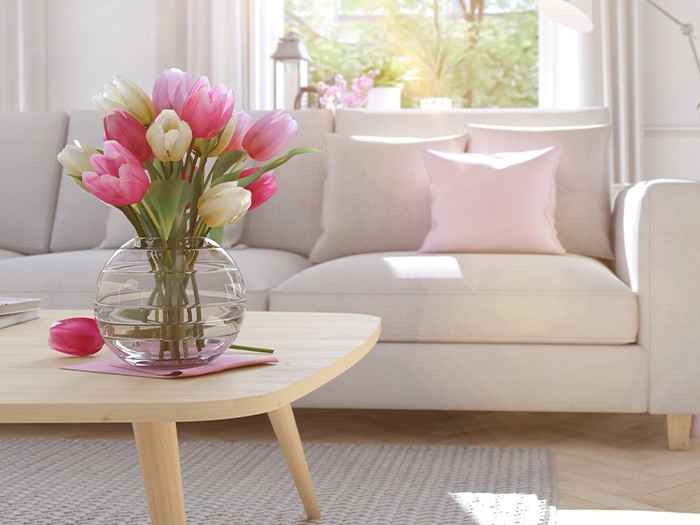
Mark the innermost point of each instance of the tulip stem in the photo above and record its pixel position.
(253, 349)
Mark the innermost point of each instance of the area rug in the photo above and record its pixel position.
(44, 481)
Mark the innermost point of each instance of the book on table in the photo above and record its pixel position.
(15, 310)
(13, 305)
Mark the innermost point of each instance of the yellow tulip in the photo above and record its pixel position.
(121, 93)
(223, 204)
(168, 136)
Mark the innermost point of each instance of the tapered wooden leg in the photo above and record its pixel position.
(678, 428)
(160, 467)
(285, 428)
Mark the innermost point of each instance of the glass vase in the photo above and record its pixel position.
(172, 305)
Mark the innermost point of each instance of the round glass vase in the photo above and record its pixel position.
(169, 304)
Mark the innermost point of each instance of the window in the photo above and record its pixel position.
(478, 53)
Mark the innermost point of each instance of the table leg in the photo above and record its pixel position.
(285, 428)
(160, 467)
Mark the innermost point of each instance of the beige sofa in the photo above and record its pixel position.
(610, 326)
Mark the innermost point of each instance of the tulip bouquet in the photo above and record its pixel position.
(154, 163)
(175, 165)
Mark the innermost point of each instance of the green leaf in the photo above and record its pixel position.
(168, 199)
(274, 164)
(224, 162)
(216, 235)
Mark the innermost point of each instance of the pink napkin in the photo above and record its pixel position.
(119, 367)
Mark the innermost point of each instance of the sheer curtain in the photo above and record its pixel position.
(600, 68)
(23, 48)
(229, 41)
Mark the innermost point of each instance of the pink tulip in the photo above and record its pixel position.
(170, 91)
(269, 135)
(262, 189)
(78, 336)
(207, 109)
(129, 132)
(243, 124)
(119, 178)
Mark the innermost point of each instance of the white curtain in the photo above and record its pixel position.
(600, 68)
(230, 41)
(23, 51)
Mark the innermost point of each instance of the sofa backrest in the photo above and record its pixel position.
(291, 219)
(29, 144)
(582, 214)
(420, 123)
(81, 219)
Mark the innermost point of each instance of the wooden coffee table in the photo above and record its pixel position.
(312, 349)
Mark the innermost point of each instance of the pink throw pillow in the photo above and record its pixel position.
(495, 203)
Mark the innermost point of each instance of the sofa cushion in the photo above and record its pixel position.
(7, 254)
(29, 144)
(291, 219)
(472, 298)
(68, 279)
(377, 194)
(583, 211)
(500, 203)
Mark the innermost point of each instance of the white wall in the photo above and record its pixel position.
(670, 91)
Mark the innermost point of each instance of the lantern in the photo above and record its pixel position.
(291, 70)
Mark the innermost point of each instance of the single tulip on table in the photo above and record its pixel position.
(76, 336)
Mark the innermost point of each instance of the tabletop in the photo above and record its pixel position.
(312, 348)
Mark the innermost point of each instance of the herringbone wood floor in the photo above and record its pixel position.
(604, 461)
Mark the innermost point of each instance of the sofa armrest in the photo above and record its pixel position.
(657, 253)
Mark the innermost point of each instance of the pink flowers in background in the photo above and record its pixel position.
(337, 94)
(76, 336)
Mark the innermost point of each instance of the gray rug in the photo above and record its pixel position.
(62, 482)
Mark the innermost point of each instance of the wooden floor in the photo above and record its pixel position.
(606, 464)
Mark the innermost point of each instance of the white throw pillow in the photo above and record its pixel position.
(583, 211)
(377, 194)
(119, 230)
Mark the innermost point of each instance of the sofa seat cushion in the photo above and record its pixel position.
(7, 254)
(472, 298)
(68, 279)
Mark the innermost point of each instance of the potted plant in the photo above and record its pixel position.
(389, 79)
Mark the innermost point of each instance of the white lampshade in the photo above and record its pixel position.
(575, 14)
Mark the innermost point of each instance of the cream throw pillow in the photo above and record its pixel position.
(376, 196)
(583, 212)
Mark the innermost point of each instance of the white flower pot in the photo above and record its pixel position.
(384, 98)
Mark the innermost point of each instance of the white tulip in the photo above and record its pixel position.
(121, 93)
(75, 158)
(169, 136)
(223, 204)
